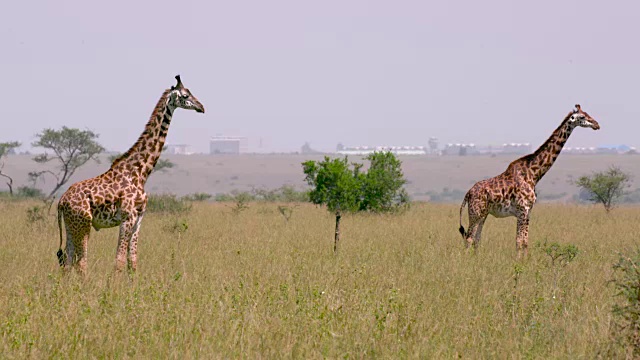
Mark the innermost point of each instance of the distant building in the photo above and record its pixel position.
(516, 148)
(433, 145)
(397, 150)
(579, 150)
(180, 149)
(460, 149)
(615, 149)
(228, 145)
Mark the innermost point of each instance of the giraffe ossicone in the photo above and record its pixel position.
(512, 193)
(117, 197)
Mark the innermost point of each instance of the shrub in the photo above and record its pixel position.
(197, 197)
(29, 192)
(35, 215)
(179, 226)
(626, 313)
(289, 194)
(241, 201)
(559, 256)
(224, 197)
(284, 194)
(167, 203)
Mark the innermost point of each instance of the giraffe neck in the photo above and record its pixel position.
(543, 158)
(142, 157)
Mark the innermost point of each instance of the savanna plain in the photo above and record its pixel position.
(218, 283)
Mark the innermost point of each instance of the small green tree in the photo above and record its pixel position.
(5, 149)
(336, 185)
(605, 187)
(72, 148)
(346, 188)
(383, 186)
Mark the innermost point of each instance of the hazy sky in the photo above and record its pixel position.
(357, 72)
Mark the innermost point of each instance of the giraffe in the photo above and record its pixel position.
(117, 197)
(512, 193)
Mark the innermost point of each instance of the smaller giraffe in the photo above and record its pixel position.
(512, 193)
(117, 197)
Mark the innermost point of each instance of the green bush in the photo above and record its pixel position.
(29, 192)
(167, 203)
(22, 193)
(284, 194)
(197, 197)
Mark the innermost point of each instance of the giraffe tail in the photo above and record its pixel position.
(60, 253)
(464, 202)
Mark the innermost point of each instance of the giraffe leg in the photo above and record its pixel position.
(69, 259)
(123, 244)
(127, 228)
(81, 251)
(477, 215)
(477, 232)
(77, 243)
(78, 228)
(132, 262)
(522, 237)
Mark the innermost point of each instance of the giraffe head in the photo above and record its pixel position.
(181, 97)
(580, 118)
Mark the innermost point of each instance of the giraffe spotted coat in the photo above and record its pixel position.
(117, 197)
(512, 193)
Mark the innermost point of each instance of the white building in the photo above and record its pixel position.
(228, 145)
(397, 150)
(179, 149)
(460, 149)
(516, 148)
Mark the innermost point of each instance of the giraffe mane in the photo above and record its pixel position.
(528, 157)
(157, 110)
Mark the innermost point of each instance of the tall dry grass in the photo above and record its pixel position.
(253, 285)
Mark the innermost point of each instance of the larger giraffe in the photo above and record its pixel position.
(512, 193)
(117, 197)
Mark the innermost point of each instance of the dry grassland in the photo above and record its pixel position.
(255, 286)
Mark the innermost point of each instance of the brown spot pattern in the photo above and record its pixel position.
(512, 193)
(117, 197)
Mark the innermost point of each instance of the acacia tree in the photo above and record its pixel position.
(336, 185)
(71, 148)
(348, 189)
(5, 149)
(605, 187)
